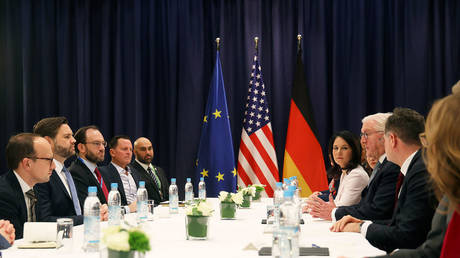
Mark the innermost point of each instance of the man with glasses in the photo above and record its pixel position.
(30, 160)
(85, 172)
(58, 198)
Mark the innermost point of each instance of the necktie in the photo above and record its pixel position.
(156, 180)
(73, 191)
(398, 186)
(32, 201)
(101, 183)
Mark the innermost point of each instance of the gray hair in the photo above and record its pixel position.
(379, 118)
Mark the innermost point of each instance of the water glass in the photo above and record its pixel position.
(150, 209)
(65, 233)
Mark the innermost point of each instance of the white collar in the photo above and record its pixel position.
(405, 165)
(382, 158)
(120, 169)
(91, 166)
(145, 166)
(24, 186)
(59, 166)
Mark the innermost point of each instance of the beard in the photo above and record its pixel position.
(145, 160)
(93, 158)
(63, 152)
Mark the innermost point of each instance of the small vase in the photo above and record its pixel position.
(246, 202)
(196, 227)
(119, 254)
(257, 196)
(227, 210)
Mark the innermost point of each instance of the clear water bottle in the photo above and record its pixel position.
(173, 197)
(188, 191)
(91, 222)
(286, 183)
(278, 196)
(296, 199)
(289, 224)
(114, 202)
(142, 197)
(202, 189)
(294, 181)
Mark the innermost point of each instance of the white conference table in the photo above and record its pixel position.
(227, 238)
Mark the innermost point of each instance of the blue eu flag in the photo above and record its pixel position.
(215, 155)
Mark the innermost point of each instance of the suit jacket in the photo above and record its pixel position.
(411, 219)
(110, 173)
(152, 189)
(4, 244)
(431, 248)
(84, 178)
(12, 202)
(55, 202)
(378, 198)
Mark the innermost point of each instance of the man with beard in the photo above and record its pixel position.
(90, 149)
(155, 179)
(58, 198)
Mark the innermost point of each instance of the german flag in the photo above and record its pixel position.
(303, 156)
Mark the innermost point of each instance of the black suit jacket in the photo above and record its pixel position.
(110, 173)
(150, 185)
(378, 198)
(84, 178)
(411, 219)
(55, 202)
(12, 202)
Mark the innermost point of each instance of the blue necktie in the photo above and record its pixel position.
(73, 191)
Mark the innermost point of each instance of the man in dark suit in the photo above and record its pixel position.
(91, 150)
(119, 171)
(58, 198)
(415, 206)
(30, 160)
(378, 198)
(156, 183)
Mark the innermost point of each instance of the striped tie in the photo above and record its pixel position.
(32, 201)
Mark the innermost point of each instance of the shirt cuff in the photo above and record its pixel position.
(364, 227)
(333, 215)
(127, 209)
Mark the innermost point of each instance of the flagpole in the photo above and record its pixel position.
(218, 43)
(299, 40)
(256, 40)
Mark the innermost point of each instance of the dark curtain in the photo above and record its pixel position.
(143, 68)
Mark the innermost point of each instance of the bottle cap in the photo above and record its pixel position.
(141, 183)
(173, 180)
(114, 185)
(279, 184)
(201, 179)
(189, 180)
(92, 189)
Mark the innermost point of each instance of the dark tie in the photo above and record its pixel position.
(32, 201)
(101, 183)
(398, 186)
(155, 179)
(73, 191)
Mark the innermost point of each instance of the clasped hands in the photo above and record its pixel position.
(318, 208)
(7, 231)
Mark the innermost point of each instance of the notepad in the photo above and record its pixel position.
(39, 245)
(303, 251)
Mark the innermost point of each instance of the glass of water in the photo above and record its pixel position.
(65, 233)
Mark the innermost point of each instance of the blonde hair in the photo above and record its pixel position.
(443, 151)
(456, 88)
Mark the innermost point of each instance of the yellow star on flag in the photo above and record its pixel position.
(204, 173)
(205, 119)
(220, 177)
(217, 113)
(234, 171)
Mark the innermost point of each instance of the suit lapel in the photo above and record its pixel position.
(57, 180)
(11, 177)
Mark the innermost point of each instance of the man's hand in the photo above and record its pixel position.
(7, 231)
(341, 225)
(104, 212)
(133, 206)
(320, 208)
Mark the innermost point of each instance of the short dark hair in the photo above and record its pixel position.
(49, 126)
(80, 135)
(355, 146)
(114, 141)
(19, 146)
(407, 124)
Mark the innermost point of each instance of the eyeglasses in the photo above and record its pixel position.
(366, 134)
(104, 143)
(423, 139)
(49, 159)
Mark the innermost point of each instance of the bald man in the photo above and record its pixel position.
(156, 182)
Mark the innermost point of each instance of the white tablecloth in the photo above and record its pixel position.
(227, 238)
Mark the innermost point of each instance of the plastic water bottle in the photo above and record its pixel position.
(289, 224)
(278, 196)
(296, 199)
(188, 191)
(91, 222)
(114, 202)
(202, 189)
(173, 197)
(286, 183)
(294, 181)
(142, 197)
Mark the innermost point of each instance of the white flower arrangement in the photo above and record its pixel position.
(199, 208)
(122, 239)
(231, 197)
(248, 191)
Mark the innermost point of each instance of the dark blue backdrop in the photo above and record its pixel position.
(144, 67)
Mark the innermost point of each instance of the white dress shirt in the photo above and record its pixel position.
(25, 188)
(351, 186)
(61, 174)
(129, 185)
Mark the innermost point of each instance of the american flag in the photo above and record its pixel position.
(257, 162)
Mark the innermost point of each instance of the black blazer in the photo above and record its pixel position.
(55, 202)
(84, 178)
(12, 202)
(411, 219)
(110, 173)
(150, 185)
(378, 198)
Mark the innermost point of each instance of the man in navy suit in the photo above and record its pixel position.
(378, 197)
(119, 171)
(415, 203)
(30, 160)
(58, 198)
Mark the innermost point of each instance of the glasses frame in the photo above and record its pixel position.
(366, 135)
(97, 144)
(49, 159)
